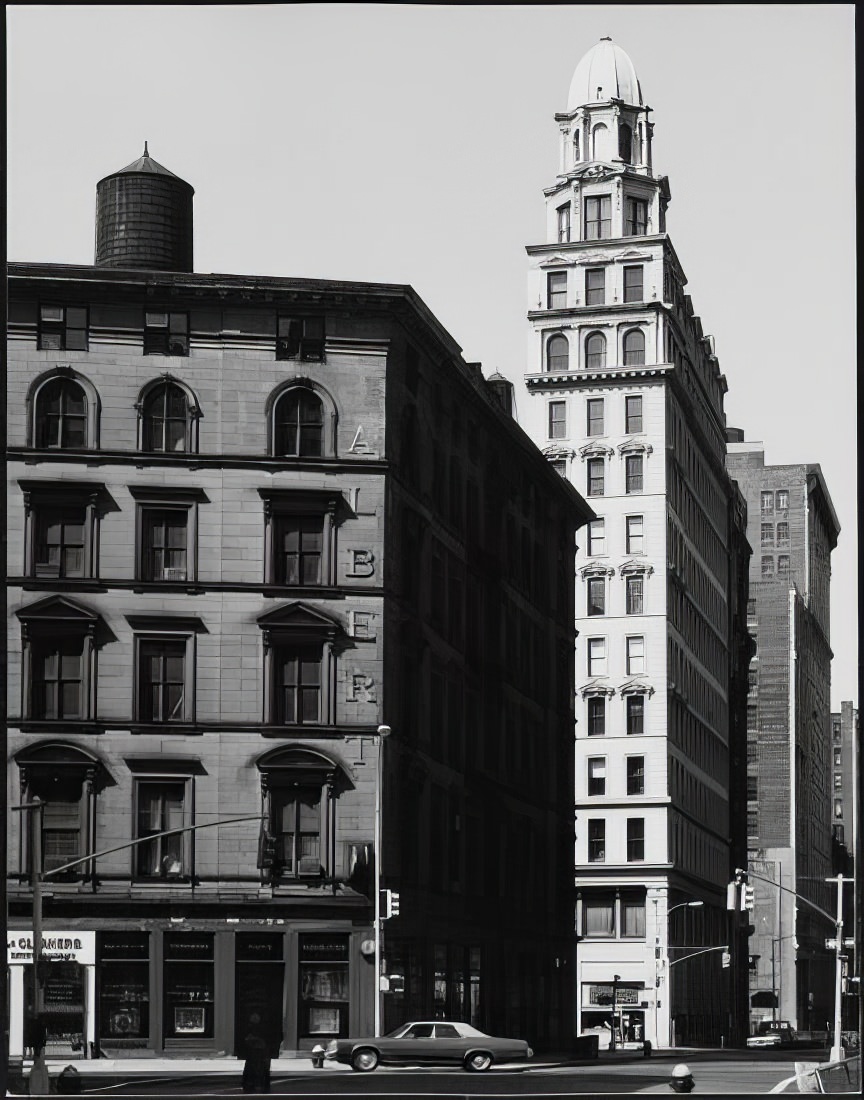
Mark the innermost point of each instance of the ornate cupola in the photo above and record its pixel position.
(606, 119)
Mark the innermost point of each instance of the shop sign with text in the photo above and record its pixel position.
(79, 947)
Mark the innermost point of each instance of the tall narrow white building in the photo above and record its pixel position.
(625, 397)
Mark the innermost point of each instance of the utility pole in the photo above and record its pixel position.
(38, 1080)
(838, 944)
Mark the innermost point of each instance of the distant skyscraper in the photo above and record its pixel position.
(626, 399)
(793, 528)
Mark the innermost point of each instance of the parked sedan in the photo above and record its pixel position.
(438, 1042)
(772, 1034)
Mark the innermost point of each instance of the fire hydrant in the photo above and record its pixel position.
(317, 1056)
(682, 1079)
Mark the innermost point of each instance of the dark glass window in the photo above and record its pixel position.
(61, 415)
(596, 840)
(63, 328)
(296, 823)
(299, 424)
(595, 286)
(298, 694)
(165, 549)
(635, 839)
(299, 546)
(162, 681)
(597, 775)
(634, 348)
(596, 596)
(633, 284)
(634, 534)
(597, 537)
(166, 419)
(635, 714)
(598, 218)
(636, 775)
(556, 290)
(596, 716)
(300, 338)
(625, 142)
(57, 678)
(636, 218)
(166, 333)
(59, 542)
(161, 807)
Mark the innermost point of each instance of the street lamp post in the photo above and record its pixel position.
(383, 731)
(669, 912)
(616, 978)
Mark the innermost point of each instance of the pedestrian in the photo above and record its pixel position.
(256, 1069)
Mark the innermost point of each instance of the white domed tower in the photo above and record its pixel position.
(625, 398)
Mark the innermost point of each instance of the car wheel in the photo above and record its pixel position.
(477, 1061)
(364, 1060)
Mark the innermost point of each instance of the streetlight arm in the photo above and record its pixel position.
(146, 839)
(704, 951)
(789, 890)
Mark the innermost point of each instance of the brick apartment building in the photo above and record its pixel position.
(250, 520)
(793, 528)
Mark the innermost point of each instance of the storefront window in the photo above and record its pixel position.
(188, 986)
(124, 989)
(440, 990)
(64, 1008)
(323, 986)
(474, 1017)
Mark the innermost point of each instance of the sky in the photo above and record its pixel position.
(411, 144)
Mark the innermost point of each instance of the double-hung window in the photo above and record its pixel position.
(167, 543)
(635, 839)
(596, 477)
(165, 668)
(166, 333)
(634, 538)
(596, 715)
(162, 804)
(633, 283)
(635, 775)
(597, 537)
(598, 217)
(557, 353)
(59, 541)
(596, 596)
(596, 840)
(632, 415)
(595, 351)
(57, 671)
(63, 418)
(563, 213)
(596, 775)
(634, 349)
(635, 655)
(63, 328)
(556, 290)
(634, 594)
(557, 420)
(636, 218)
(58, 648)
(299, 666)
(598, 915)
(595, 415)
(635, 722)
(767, 504)
(597, 657)
(595, 286)
(633, 473)
(299, 536)
(767, 534)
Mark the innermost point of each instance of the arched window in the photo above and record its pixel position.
(557, 353)
(598, 142)
(61, 415)
(595, 351)
(298, 424)
(634, 348)
(167, 419)
(625, 142)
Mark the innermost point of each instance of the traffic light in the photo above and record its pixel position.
(748, 899)
(389, 904)
(266, 849)
(732, 895)
(752, 960)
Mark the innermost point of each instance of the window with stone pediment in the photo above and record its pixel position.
(596, 595)
(635, 714)
(596, 468)
(299, 673)
(61, 527)
(634, 594)
(59, 638)
(596, 715)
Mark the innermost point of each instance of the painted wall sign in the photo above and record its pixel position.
(79, 947)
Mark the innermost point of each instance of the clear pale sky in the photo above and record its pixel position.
(411, 144)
